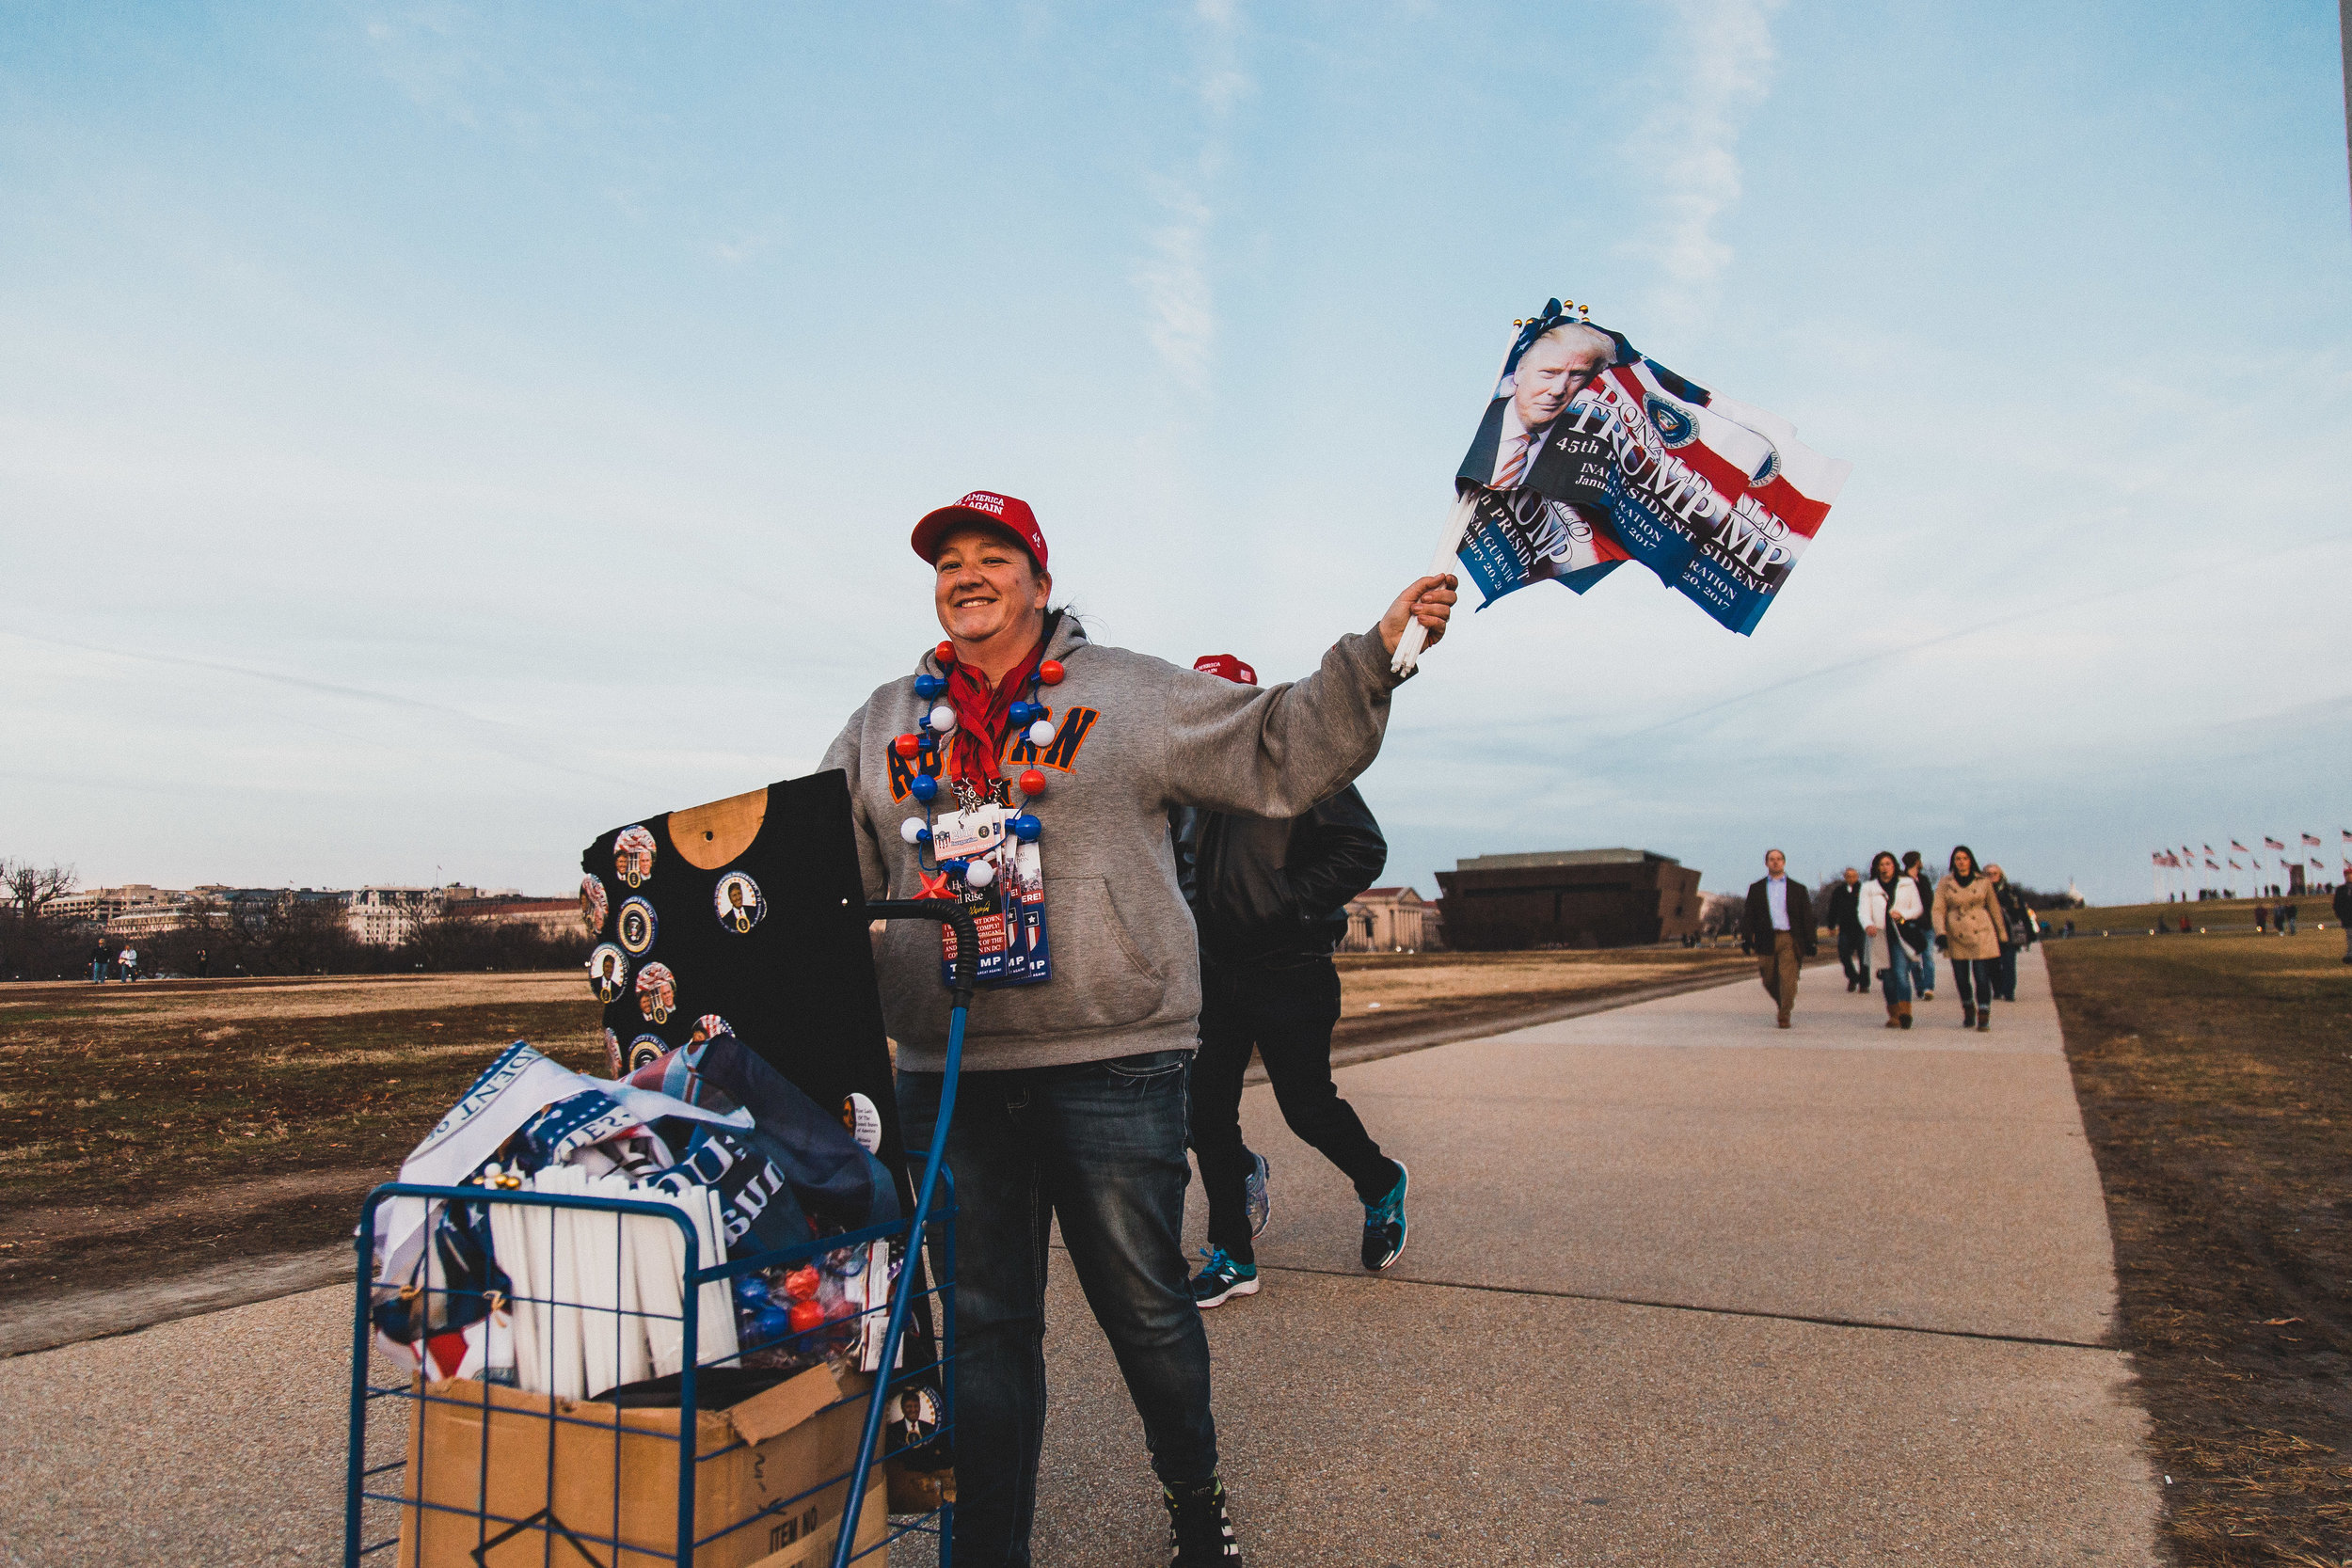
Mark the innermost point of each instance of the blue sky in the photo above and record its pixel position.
(430, 435)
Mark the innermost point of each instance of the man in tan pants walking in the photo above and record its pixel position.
(1779, 930)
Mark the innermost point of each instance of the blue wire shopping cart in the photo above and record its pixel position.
(493, 1499)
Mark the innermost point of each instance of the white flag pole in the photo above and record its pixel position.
(1457, 523)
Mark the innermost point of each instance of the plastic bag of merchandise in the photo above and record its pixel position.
(834, 1181)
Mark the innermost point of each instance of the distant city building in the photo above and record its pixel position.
(384, 916)
(554, 918)
(1568, 899)
(1389, 919)
(99, 905)
(387, 917)
(381, 916)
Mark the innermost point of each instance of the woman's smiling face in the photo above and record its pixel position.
(986, 585)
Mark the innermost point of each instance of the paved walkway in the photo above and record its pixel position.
(1682, 1289)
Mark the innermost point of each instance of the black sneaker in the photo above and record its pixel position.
(1384, 1224)
(1199, 1535)
(1222, 1278)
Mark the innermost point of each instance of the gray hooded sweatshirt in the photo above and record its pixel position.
(1137, 736)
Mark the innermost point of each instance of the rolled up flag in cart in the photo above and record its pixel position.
(1590, 453)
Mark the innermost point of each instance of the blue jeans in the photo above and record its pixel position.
(1927, 966)
(1101, 1146)
(1899, 977)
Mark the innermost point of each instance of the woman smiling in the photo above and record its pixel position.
(1071, 1105)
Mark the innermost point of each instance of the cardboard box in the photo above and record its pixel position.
(508, 1479)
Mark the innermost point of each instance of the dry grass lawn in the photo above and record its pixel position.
(2216, 1080)
(1384, 988)
(161, 1123)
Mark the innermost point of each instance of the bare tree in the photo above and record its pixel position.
(287, 933)
(32, 886)
(1720, 913)
(448, 936)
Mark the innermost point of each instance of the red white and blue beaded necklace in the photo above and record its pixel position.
(934, 736)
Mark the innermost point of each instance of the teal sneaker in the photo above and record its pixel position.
(1384, 1224)
(1222, 1277)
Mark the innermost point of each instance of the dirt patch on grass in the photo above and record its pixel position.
(2216, 1080)
(153, 1135)
(1390, 993)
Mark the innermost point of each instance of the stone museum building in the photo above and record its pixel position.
(1568, 899)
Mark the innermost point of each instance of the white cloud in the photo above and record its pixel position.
(1721, 58)
(1179, 311)
(1180, 306)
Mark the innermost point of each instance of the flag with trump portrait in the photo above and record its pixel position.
(1591, 454)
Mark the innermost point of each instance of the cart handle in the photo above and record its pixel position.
(952, 914)
(948, 913)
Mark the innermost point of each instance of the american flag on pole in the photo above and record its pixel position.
(2240, 848)
(2272, 843)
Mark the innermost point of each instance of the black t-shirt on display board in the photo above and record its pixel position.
(767, 934)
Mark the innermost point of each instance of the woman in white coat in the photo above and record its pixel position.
(1890, 905)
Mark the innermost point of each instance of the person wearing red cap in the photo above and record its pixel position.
(1072, 1108)
(1270, 899)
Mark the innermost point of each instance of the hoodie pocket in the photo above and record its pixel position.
(1102, 979)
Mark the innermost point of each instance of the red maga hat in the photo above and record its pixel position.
(1226, 665)
(986, 507)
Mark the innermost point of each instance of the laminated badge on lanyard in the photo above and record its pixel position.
(1006, 901)
(984, 852)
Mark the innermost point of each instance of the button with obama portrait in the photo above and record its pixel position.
(608, 972)
(740, 902)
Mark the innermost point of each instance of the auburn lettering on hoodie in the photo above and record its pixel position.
(1070, 732)
(1061, 754)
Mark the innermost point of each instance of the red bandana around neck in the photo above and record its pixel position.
(982, 716)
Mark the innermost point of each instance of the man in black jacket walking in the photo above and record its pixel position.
(1269, 898)
(1845, 916)
(1779, 922)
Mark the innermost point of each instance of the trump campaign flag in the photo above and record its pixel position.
(1590, 453)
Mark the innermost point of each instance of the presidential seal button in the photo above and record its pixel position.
(646, 1050)
(637, 925)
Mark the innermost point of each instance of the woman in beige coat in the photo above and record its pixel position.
(1969, 917)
